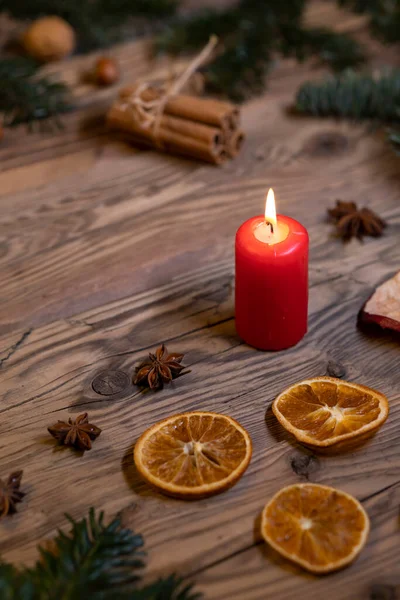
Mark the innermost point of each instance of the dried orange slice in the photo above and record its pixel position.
(193, 455)
(324, 411)
(319, 528)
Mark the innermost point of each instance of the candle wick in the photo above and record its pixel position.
(270, 225)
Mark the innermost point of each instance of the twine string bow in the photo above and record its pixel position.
(149, 113)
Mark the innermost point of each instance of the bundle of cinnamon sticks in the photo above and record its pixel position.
(202, 128)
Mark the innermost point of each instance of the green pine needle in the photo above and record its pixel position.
(250, 33)
(94, 560)
(16, 584)
(352, 95)
(26, 97)
(338, 51)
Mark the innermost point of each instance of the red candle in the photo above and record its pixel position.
(271, 280)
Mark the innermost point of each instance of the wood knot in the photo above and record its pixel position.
(304, 465)
(382, 591)
(108, 383)
(335, 369)
(329, 143)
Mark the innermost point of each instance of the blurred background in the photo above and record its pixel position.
(253, 36)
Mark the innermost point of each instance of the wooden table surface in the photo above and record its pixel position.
(107, 251)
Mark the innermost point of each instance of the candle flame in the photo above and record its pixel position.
(270, 210)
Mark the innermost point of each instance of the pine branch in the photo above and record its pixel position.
(15, 584)
(96, 561)
(338, 51)
(25, 97)
(89, 560)
(251, 32)
(354, 96)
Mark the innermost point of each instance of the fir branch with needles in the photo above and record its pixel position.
(26, 97)
(338, 51)
(251, 32)
(353, 95)
(96, 561)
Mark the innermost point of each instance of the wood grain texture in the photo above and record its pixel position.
(107, 251)
(263, 567)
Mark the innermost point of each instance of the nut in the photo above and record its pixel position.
(106, 71)
(48, 39)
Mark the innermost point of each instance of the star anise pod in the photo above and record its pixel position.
(78, 433)
(353, 222)
(160, 368)
(10, 494)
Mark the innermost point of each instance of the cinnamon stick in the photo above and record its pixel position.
(234, 142)
(175, 144)
(203, 110)
(172, 134)
(167, 119)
